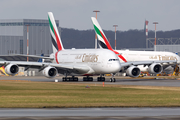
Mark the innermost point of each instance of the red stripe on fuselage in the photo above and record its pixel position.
(58, 41)
(56, 57)
(122, 58)
(110, 48)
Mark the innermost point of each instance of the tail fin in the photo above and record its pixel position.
(56, 40)
(102, 40)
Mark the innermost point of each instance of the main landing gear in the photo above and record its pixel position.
(101, 79)
(87, 78)
(70, 78)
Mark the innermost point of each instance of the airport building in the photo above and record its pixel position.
(164, 44)
(13, 36)
(170, 48)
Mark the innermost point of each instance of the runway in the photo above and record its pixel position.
(119, 80)
(94, 113)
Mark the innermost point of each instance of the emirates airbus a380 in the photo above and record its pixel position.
(69, 62)
(133, 62)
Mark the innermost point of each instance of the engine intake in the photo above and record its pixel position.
(155, 68)
(133, 71)
(11, 69)
(50, 72)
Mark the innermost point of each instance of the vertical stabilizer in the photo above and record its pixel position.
(56, 40)
(103, 42)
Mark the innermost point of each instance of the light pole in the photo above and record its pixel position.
(27, 42)
(115, 34)
(96, 11)
(146, 23)
(155, 36)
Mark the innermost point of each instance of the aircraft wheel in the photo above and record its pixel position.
(91, 79)
(76, 78)
(71, 79)
(84, 78)
(64, 79)
(103, 78)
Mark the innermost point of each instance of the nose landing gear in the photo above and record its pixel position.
(112, 79)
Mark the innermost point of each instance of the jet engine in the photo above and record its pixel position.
(133, 71)
(155, 68)
(50, 72)
(11, 69)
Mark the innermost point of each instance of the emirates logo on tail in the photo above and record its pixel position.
(55, 38)
(102, 40)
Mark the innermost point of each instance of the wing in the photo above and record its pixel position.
(153, 67)
(44, 66)
(23, 55)
(135, 63)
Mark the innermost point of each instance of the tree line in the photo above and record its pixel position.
(73, 38)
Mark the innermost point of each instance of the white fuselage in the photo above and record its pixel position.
(99, 61)
(147, 56)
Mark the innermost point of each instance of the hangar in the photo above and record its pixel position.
(13, 36)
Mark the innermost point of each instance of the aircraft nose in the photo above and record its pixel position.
(116, 67)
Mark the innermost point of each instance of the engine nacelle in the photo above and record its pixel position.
(11, 69)
(155, 68)
(133, 71)
(50, 72)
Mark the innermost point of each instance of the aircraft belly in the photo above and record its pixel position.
(95, 68)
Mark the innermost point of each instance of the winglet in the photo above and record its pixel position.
(55, 37)
(103, 42)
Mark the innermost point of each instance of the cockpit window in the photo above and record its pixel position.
(113, 59)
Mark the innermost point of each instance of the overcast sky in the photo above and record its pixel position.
(127, 14)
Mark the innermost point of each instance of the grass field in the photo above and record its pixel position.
(21, 94)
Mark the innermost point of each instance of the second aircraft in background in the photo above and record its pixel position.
(135, 62)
